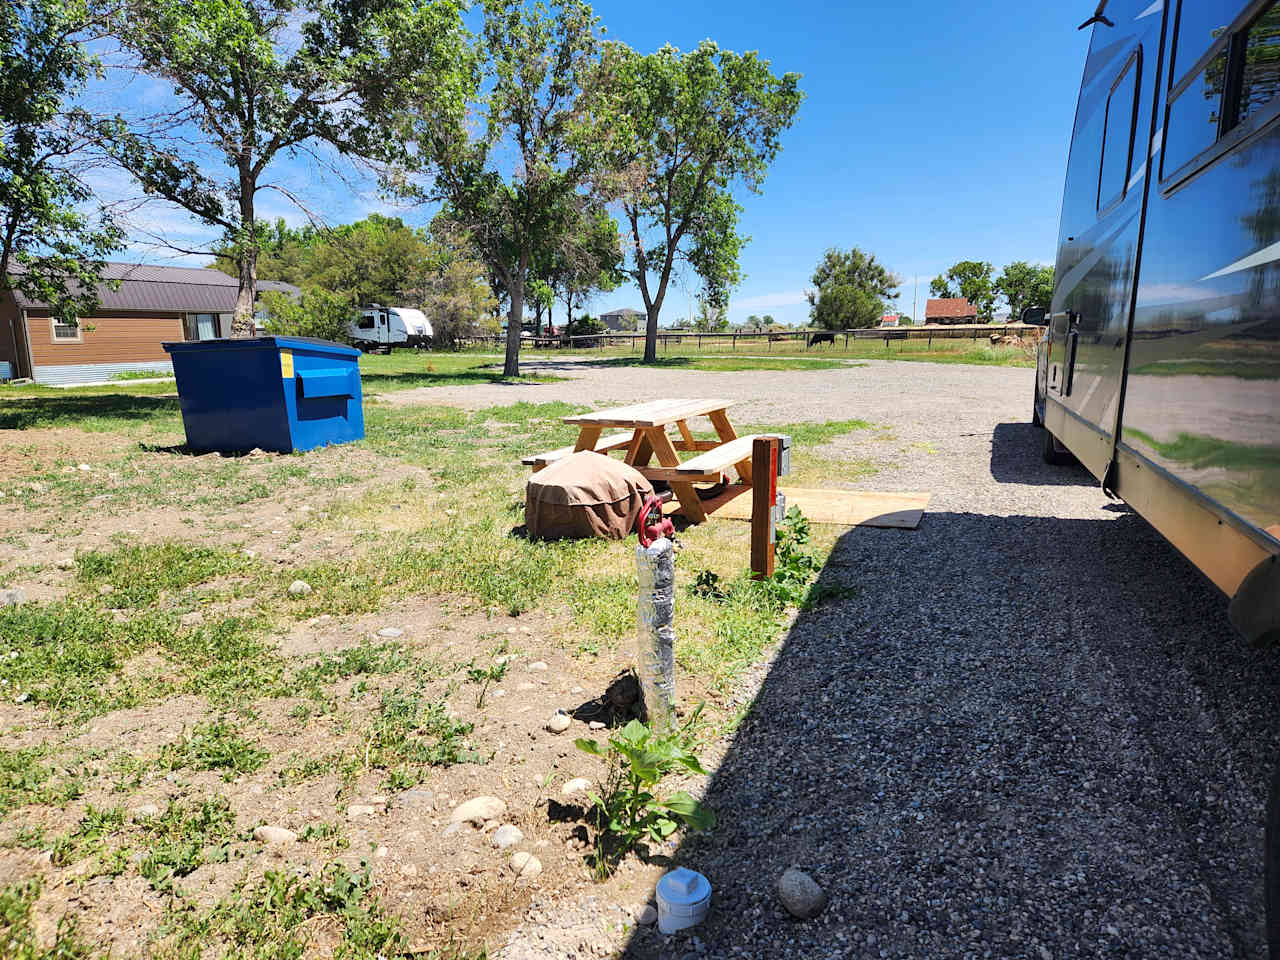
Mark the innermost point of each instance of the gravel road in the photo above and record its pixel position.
(1029, 733)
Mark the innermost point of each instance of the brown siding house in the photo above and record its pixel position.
(950, 310)
(145, 307)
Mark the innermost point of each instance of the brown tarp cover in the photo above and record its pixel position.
(585, 494)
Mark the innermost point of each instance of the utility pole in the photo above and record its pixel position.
(915, 300)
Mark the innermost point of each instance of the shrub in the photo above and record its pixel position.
(318, 314)
(627, 811)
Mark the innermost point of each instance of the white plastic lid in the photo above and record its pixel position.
(684, 887)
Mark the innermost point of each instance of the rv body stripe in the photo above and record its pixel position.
(1153, 9)
(1266, 255)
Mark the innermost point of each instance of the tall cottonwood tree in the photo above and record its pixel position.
(513, 180)
(50, 248)
(684, 130)
(258, 79)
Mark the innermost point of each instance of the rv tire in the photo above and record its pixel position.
(1053, 452)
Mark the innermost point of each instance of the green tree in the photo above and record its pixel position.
(586, 259)
(513, 177)
(318, 314)
(850, 290)
(258, 78)
(377, 260)
(684, 130)
(50, 249)
(457, 297)
(970, 279)
(1025, 285)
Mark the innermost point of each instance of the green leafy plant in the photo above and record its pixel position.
(627, 810)
(793, 566)
(17, 929)
(214, 746)
(486, 675)
(709, 585)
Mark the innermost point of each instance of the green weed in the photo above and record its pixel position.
(216, 745)
(17, 929)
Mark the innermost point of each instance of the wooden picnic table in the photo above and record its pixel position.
(646, 438)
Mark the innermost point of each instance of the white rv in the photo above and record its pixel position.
(388, 327)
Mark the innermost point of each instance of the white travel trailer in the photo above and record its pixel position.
(388, 327)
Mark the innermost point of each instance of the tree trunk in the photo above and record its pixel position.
(242, 323)
(651, 335)
(515, 317)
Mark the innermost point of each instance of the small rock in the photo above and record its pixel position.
(477, 810)
(267, 834)
(390, 633)
(12, 598)
(251, 554)
(505, 836)
(299, 588)
(596, 725)
(525, 865)
(1045, 953)
(85, 468)
(64, 563)
(360, 810)
(381, 852)
(800, 894)
(576, 690)
(646, 915)
(576, 785)
(452, 830)
(559, 722)
(192, 619)
(145, 811)
(538, 666)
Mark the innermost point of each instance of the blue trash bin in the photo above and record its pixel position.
(284, 394)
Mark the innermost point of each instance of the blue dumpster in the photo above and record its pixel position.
(284, 394)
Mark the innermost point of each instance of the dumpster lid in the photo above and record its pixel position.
(258, 343)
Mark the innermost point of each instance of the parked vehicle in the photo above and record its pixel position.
(387, 327)
(1160, 370)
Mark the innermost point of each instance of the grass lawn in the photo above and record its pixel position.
(959, 350)
(163, 693)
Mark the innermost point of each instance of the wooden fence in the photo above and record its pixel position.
(766, 341)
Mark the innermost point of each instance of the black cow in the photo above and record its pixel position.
(822, 338)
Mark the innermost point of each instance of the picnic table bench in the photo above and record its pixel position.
(646, 439)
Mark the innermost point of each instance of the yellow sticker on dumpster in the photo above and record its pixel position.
(286, 364)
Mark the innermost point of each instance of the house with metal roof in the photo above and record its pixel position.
(151, 305)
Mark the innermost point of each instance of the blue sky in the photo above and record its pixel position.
(931, 132)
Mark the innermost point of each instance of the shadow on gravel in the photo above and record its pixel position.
(1011, 464)
(1021, 737)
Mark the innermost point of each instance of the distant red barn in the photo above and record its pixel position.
(950, 310)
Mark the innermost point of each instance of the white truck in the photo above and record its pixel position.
(386, 327)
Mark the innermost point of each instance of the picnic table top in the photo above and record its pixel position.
(654, 413)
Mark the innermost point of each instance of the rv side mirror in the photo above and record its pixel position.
(1034, 316)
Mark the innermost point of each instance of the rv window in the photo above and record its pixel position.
(1260, 71)
(366, 323)
(1194, 115)
(1200, 23)
(1117, 144)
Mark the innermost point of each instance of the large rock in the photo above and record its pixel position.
(507, 835)
(12, 598)
(575, 786)
(800, 894)
(478, 810)
(525, 865)
(269, 834)
(299, 588)
(559, 722)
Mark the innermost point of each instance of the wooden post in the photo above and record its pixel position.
(764, 493)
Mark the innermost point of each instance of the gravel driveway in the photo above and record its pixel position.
(1030, 733)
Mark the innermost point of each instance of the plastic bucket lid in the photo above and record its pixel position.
(683, 899)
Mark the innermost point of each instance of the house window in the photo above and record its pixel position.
(1117, 143)
(65, 332)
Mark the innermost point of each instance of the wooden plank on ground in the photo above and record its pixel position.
(851, 508)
